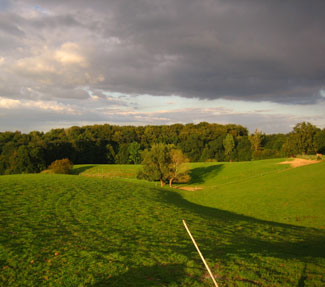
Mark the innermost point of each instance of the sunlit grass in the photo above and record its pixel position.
(263, 189)
(68, 230)
(107, 170)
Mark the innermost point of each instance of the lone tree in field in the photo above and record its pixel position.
(177, 170)
(163, 163)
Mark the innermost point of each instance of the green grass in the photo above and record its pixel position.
(68, 230)
(107, 170)
(262, 189)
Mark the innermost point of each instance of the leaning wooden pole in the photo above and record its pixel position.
(198, 250)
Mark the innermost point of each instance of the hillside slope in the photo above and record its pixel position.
(262, 189)
(58, 230)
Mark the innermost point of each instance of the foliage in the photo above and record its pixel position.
(228, 144)
(320, 140)
(243, 149)
(122, 157)
(102, 144)
(110, 153)
(178, 171)
(303, 139)
(267, 154)
(156, 162)
(256, 140)
(164, 163)
(134, 153)
(61, 166)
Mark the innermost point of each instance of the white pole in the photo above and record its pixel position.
(198, 250)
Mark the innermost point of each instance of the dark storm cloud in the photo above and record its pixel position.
(250, 49)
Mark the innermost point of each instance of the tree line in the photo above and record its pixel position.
(103, 144)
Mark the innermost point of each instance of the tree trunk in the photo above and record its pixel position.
(162, 183)
(171, 182)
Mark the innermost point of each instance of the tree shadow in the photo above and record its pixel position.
(159, 256)
(147, 276)
(276, 239)
(199, 174)
(79, 170)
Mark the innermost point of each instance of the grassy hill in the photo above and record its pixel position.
(262, 189)
(69, 230)
(107, 170)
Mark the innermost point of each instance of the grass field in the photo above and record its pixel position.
(107, 170)
(69, 230)
(262, 189)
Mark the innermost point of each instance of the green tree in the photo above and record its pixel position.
(122, 156)
(229, 144)
(110, 153)
(63, 166)
(164, 163)
(156, 163)
(256, 140)
(134, 153)
(320, 139)
(244, 150)
(304, 137)
(289, 148)
(178, 171)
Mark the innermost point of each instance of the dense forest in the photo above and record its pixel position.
(35, 151)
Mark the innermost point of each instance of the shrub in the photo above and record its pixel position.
(63, 166)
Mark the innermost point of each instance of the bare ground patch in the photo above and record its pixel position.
(189, 188)
(299, 162)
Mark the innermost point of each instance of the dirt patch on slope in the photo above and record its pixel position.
(190, 188)
(299, 162)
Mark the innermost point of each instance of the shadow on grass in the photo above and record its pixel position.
(152, 233)
(199, 174)
(79, 170)
(146, 276)
(248, 235)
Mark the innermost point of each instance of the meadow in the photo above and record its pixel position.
(257, 223)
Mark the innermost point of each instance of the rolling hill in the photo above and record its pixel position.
(257, 223)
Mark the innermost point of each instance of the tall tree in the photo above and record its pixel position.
(244, 151)
(229, 144)
(134, 153)
(256, 140)
(122, 156)
(156, 163)
(304, 137)
(177, 168)
(320, 139)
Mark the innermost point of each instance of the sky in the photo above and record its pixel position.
(257, 63)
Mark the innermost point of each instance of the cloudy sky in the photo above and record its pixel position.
(258, 63)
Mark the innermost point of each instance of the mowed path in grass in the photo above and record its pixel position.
(58, 230)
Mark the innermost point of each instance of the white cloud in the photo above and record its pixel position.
(69, 54)
(49, 106)
(8, 103)
(36, 66)
(11, 104)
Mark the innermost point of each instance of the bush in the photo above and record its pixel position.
(63, 166)
(267, 154)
